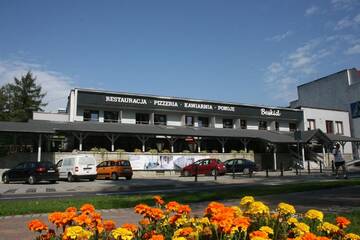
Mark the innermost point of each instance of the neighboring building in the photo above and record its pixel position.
(338, 91)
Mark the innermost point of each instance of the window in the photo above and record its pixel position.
(228, 123)
(329, 126)
(142, 118)
(203, 121)
(339, 127)
(91, 115)
(111, 116)
(311, 124)
(243, 124)
(189, 121)
(292, 127)
(159, 119)
(262, 125)
(277, 126)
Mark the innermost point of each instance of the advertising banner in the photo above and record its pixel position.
(162, 162)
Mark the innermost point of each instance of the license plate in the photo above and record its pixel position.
(51, 170)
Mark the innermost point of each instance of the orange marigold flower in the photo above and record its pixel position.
(131, 227)
(242, 223)
(258, 234)
(172, 206)
(109, 225)
(71, 209)
(309, 236)
(37, 225)
(155, 213)
(59, 218)
(158, 200)
(173, 218)
(83, 219)
(87, 208)
(144, 222)
(141, 208)
(342, 222)
(184, 209)
(157, 237)
(214, 207)
(322, 238)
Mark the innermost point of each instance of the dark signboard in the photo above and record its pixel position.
(121, 101)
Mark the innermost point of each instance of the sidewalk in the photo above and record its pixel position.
(336, 200)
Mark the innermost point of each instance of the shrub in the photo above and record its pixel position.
(214, 151)
(233, 151)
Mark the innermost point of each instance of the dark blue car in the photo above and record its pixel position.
(240, 165)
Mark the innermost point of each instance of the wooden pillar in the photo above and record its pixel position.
(303, 154)
(275, 159)
(171, 141)
(143, 140)
(245, 142)
(112, 138)
(324, 154)
(80, 137)
(39, 148)
(222, 141)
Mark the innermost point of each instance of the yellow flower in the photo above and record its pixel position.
(301, 228)
(246, 200)
(329, 228)
(284, 208)
(314, 214)
(123, 233)
(351, 236)
(204, 221)
(181, 221)
(237, 211)
(258, 208)
(77, 232)
(267, 229)
(292, 220)
(178, 238)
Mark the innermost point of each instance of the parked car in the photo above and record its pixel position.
(113, 169)
(77, 167)
(240, 165)
(32, 172)
(204, 166)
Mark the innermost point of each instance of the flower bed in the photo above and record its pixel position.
(251, 220)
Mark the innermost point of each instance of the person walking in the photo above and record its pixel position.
(339, 161)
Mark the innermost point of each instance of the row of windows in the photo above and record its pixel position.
(330, 127)
(160, 119)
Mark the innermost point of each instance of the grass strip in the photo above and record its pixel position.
(17, 207)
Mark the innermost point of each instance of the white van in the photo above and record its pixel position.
(77, 167)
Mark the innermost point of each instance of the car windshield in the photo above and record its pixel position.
(123, 163)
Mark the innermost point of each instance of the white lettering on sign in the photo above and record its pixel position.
(270, 112)
(226, 108)
(165, 103)
(141, 101)
(198, 106)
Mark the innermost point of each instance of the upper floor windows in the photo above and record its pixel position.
(329, 126)
(142, 118)
(262, 125)
(277, 126)
(91, 115)
(228, 123)
(339, 127)
(203, 121)
(311, 124)
(243, 124)
(159, 119)
(189, 121)
(111, 116)
(292, 127)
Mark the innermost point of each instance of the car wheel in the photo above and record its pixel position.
(128, 178)
(92, 179)
(213, 172)
(187, 174)
(114, 176)
(53, 181)
(70, 177)
(246, 171)
(31, 180)
(6, 179)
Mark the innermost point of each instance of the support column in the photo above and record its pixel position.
(275, 159)
(303, 154)
(222, 141)
(80, 137)
(112, 138)
(342, 146)
(171, 141)
(245, 142)
(143, 140)
(39, 148)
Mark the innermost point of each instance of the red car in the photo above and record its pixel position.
(205, 166)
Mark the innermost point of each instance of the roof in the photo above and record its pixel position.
(319, 79)
(48, 127)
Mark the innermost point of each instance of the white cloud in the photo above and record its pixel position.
(348, 22)
(280, 37)
(311, 10)
(55, 84)
(344, 4)
(353, 50)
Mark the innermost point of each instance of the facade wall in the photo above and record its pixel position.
(57, 117)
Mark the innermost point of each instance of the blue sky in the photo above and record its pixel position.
(253, 52)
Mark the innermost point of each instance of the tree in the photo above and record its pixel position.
(20, 99)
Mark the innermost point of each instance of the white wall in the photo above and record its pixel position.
(58, 117)
(322, 115)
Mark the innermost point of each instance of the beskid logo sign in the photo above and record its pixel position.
(270, 112)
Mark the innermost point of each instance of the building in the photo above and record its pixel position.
(320, 94)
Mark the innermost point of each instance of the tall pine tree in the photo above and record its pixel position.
(22, 98)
